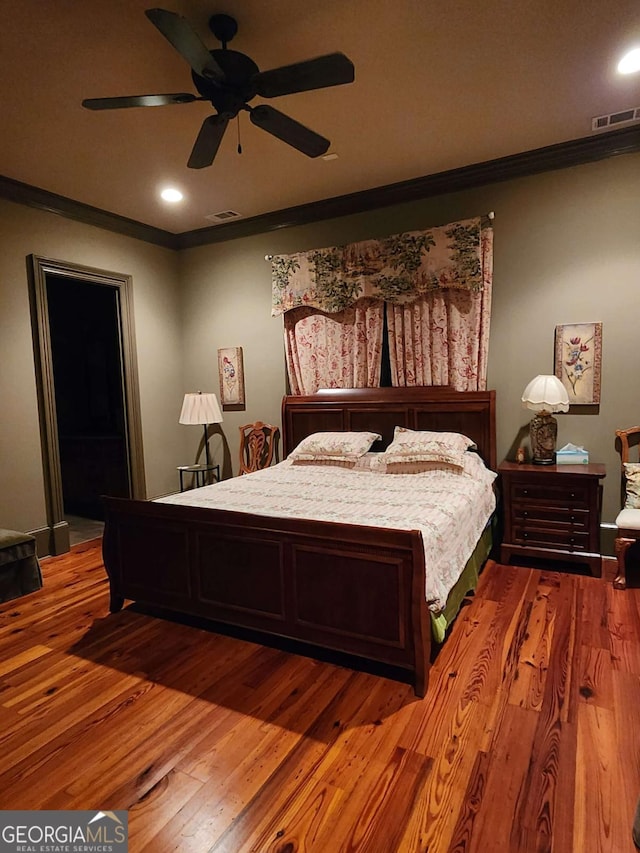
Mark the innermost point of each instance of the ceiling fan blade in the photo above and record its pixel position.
(139, 101)
(178, 32)
(330, 70)
(207, 142)
(289, 130)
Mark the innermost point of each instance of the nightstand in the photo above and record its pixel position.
(552, 512)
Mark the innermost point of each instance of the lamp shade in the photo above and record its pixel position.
(546, 394)
(200, 409)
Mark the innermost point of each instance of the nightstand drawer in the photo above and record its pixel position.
(562, 518)
(547, 537)
(551, 493)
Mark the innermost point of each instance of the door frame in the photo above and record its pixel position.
(39, 268)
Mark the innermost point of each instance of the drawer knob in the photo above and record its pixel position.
(525, 514)
(573, 494)
(525, 491)
(573, 518)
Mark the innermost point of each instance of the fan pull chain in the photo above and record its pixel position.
(239, 143)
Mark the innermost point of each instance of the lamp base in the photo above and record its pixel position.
(206, 446)
(543, 431)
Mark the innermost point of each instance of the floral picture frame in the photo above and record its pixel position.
(578, 357)
(231, 373)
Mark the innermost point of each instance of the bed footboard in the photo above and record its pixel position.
(345, 588)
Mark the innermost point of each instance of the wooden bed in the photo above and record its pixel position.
(358, 591)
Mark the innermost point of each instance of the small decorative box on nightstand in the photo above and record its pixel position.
(552, 512)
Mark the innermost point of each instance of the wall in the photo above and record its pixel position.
(25, 231)
(567, 249)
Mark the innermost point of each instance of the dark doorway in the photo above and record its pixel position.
(84, 323)
(88, 397)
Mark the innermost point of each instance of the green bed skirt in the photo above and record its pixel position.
(467, 582)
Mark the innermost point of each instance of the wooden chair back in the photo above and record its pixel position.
(628, 521)
(258, 446)
(628, 439)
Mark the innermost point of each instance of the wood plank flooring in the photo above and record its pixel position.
(528, 738)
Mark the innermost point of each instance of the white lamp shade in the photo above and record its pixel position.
(546, 394)
(200, 409)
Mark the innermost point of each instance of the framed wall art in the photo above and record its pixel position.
(578, 358)
(231, 372)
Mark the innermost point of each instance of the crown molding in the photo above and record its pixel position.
(53, 203)
(559, 156)
(562, 155)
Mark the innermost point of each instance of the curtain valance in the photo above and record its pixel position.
(397, 269)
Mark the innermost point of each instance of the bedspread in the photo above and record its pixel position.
(449, 509)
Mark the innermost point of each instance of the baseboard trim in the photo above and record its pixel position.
(52, 540)
(42, 541)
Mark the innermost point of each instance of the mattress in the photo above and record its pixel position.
(450, 508)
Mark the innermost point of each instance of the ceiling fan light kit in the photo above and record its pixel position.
(229, 80)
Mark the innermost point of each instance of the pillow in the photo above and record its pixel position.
(422, 450)
(472, 466)
(330, 445)
(366, 462)
(632, 477)
(421, 467)
(455, 440)
(332, 461)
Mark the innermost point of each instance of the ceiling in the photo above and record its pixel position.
(438, 86)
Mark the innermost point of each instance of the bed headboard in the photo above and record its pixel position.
(381, 409)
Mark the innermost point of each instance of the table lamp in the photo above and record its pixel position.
(199, 408)
(544, 395)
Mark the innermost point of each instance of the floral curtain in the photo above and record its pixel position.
(436, 285)
(397, 269)
(341, 350)
(442, 338)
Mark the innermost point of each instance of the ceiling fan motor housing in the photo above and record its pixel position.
(237, 89)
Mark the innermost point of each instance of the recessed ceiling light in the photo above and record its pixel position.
(171, 194)
(630, 62)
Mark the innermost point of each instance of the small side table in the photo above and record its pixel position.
(552, 512)
(199, 473)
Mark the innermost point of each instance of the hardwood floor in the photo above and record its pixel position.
(528, 738)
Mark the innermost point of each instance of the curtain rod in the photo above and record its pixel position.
(490, 216)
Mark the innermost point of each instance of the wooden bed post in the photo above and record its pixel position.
(420, 620)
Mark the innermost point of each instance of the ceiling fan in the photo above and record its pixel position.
(229, 80)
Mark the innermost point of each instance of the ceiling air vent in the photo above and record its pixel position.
(614, 119)
(223, 216)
